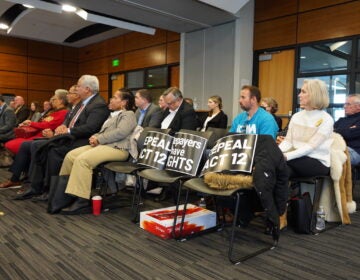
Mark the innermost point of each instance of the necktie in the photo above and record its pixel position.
(141, 117)
(73, 120)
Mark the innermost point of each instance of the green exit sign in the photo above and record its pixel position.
(115, 62)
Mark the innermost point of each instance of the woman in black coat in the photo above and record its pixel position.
(216, 117)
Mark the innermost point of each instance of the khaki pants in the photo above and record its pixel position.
(79, 164)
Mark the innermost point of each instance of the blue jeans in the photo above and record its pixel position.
(354, 156)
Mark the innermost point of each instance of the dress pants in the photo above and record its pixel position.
(22, 161)
(79, 164)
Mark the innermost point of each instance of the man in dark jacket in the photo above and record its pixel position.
(7, 121)
(85, 122)
(349, 126)
(147, 113)
(21, 111)
(179, 114)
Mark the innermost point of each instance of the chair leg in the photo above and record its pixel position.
(138, 202)
(232, 236)
(318, 183)
(182, 217)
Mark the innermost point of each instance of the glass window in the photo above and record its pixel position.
(357, 83)
(358, 55)
(157, 77)
(334, 56)
(135, 79)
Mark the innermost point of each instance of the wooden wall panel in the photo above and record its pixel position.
(94, 67)
(71, 54)
(11, 62)
(175, 76)
(40, 96)
(93, 51)
(13, 45)
(275, 33)
(172, 36)
(105, 95)
(45, 66)
(145, 58)
(45, 50)
(265, 9)
(112, 69)
(333, 22)
(13, 80)
(45, 83)
(306, 5)
(115, 45)
(15, 91)
(173, 52)
(135, 41)
(70, 69)
(68, 82)
(103, 82)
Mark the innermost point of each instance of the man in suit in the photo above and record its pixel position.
(7, 121)
(147, 114)
(21, 111)
(179, 114)
(88, 120)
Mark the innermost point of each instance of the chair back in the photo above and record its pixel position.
(143, 134)
(217, 133)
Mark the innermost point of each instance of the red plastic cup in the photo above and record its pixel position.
(96, 205)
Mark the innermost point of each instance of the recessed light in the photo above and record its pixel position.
(68, 8)
(302, 57)
(4, 26)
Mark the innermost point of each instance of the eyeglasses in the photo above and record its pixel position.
(350, 104)
(172, 102)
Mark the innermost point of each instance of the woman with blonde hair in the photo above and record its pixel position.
(216, 117)
(306, 146)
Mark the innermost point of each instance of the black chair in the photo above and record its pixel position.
(355, 172)
(170, 179)
(198, 185)
(131, 167)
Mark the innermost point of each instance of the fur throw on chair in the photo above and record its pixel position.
(336, 196)
(222, 181)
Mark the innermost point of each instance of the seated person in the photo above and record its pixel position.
(46, 108)
(111, 143)
(349, 127)
(7, 121)
(21, 111)
(270, 105)
(216, 117)
(35, 114)
(147, 113)
(306, 146)
(254, 119)
(179, 114)
(162, 103)
(59, 103)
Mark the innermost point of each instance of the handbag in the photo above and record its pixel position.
(301, 208)
(25, 131)
(58, 199)
(6, 157)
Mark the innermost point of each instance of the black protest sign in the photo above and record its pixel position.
(232, 153)
(186, 153)
(157, 146)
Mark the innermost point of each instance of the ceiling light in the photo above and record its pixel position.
(4, 26)
(68, 8)
(28, 6)
(303, 57)
(39, 5)
(82, 13)
(337, 45)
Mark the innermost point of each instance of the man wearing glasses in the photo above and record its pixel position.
(179, 114)
(349, 126)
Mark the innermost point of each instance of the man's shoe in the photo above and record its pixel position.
(9, 184)
(78, 207)
(26, 195)
(42, 197)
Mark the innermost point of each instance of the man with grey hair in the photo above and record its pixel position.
(21, 111)
(86, 121)
(349, 126)
(179, 114)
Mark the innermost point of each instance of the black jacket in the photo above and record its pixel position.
(219, 121)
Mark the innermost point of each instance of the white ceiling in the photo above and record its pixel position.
(174, 15)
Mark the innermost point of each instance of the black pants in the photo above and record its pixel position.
(22, 161)
(307, 167)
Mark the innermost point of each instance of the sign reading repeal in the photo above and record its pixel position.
(232, 153)
(186, 153)
(157, 146)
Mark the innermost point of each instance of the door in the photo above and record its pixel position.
(276, 80)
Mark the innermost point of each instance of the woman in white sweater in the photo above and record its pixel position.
(307, 143)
